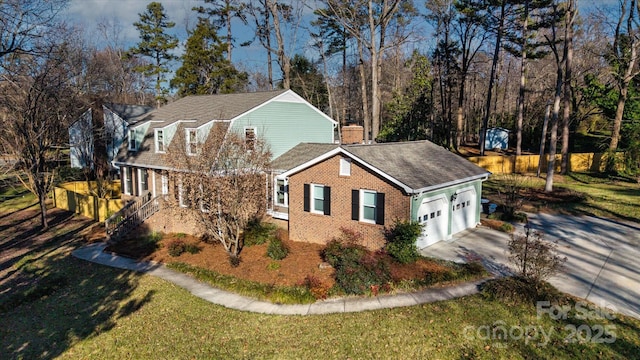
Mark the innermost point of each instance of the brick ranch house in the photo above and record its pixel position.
(321, 188)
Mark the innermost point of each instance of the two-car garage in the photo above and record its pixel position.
(445, 215)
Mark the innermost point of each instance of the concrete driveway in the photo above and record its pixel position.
(603, 257)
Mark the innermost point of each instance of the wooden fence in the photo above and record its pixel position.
(76, 197)
(509, 164)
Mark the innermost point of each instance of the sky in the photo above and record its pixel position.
(87, 14)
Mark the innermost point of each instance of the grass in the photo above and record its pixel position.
(274, 294)
(579, 194)
(98, 312)
(103, 313)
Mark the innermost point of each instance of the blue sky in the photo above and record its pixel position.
(86, 14)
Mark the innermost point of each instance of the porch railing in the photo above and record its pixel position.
(131, 216)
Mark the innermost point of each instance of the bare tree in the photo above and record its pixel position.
(37, 104)
(23, 22)
(224, 185)
(623, 58)
(368, 21)
(534, 258)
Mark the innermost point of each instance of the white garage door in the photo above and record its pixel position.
(463, 210)
(434, 217)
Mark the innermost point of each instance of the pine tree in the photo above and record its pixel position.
(205, 70)
(155, 44)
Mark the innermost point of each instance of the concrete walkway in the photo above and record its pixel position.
(95, 253)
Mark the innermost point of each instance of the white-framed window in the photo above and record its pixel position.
(345, 166)
(367, 206)
(192, 141)
(132, 140)
(165, 184)
(128, 180)
(250, 137)
(143, 181)
(160, 141)
(317, 199)
(204, 202)
(183, 195)
(282, 192)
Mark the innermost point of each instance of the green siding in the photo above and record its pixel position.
(140, 132)
(285, 125)
(417, 200)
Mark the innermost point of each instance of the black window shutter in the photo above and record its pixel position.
(307, 202)
(327, 200)
(355, 205)
(380, 208)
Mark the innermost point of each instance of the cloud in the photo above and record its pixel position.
(87, 14)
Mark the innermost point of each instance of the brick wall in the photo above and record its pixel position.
(352, 134)
(317, 228)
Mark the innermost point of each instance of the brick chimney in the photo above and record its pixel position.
(352, 134)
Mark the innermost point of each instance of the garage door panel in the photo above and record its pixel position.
(463, 211)
(433, 216)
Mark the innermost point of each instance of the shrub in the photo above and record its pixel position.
(176, 247)
(316, 287)
(506, 227)
(519, 290)
(258, 232)
(192, 248)
(180, 235)
(273, 266)
(277, 250)
(534, 258)
(356, 268)
(401, 241)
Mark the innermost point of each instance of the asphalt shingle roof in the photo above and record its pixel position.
(204, 108)
(416, 164)
(129, 113)
(199, 108)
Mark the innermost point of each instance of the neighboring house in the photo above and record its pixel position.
(116, 119)
(281, 118)
(497, 138)
(321, 188)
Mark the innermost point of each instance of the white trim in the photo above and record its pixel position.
(155, 141)
(345, 166)
(312, 199)
(189, 142)
(129, 138)
(278, 215)
(164, 180)
(153, 181)
(127, 189)
(181, 201)
(406, 188)
(286, 193)
(361, 206)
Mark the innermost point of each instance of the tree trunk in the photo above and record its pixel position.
(494, 65)
(366, 115)
(629, 73)
(523, 80)
(375, 73)
(548, 187)
(42, 200)
(566, 115)
(543, 138)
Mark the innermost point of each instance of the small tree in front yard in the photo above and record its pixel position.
(223, 185)
(534, 258)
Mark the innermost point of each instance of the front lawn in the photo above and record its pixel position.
(54, 305)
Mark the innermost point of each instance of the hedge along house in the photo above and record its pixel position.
(321, 188)
(281, 118)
